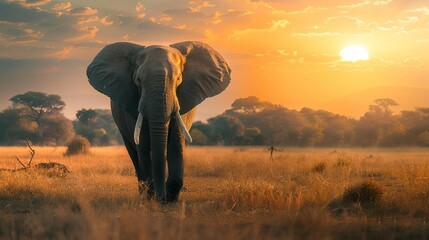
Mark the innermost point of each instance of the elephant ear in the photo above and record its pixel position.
(205, 74)
(111, 73)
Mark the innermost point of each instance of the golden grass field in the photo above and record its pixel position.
(229, 193)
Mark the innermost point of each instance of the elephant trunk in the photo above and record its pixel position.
(158, 139)
(159, 108)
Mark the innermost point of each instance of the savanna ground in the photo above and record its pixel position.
(229, 193)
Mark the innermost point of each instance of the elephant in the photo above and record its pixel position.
(154, 92)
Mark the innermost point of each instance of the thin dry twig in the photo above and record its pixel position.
(32, 152)
(21, 162)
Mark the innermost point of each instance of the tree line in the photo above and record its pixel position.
(39, 117)
(251, 121)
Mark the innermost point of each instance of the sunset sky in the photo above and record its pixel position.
(284, 51)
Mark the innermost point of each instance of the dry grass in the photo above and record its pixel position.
(230, 193)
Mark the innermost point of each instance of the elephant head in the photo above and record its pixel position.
(157, 84)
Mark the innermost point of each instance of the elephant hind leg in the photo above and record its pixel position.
(176, 143)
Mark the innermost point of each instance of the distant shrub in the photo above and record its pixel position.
(341, 162)
(365, 192)
(78, 145)
(319, 167)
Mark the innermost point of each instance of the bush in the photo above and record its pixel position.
(319, 167)
(79, 145)
(365, 192)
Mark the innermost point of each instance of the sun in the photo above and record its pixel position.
(354, 53)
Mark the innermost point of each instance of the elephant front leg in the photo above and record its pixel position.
(176, 143)
(146, 187)
(145, 163)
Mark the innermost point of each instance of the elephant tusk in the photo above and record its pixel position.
(183, 127)
(138, 128)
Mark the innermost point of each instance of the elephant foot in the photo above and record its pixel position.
(172, 198)
(174, 186)
(146, 190)
(168, 198)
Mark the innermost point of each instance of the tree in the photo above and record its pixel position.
(198, 137)
(253, 136)
(327, 129)
(14, 129)
(378, 123)
(228, 128)
(85, 116)
(383, 105)
(36, 106)
(250, 104)
(423, 139)
(98, 126)
(311, 136)
(206, 130)
(58, 129)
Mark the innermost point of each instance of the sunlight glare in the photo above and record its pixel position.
(353, 54)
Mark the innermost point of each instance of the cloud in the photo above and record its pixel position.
(327, 34)
(380, 3)
(84, 33)
(30, 3)
(179, 26)
(197, 5)
(340, 26)
(423, 40)
(165, 19)
(83, 11)
(184, 13)
(356, 5)
(11, 12)
(92, 19)
(423, 10)
(18, 34)
(306, 10)
(408, 19)
(138, 30)
(275, 25)
(343, 22)
(61, 7)
(141, 15)
(62, 54)
(231, 13)
(415, 62)
(367, 3)
(140, 7)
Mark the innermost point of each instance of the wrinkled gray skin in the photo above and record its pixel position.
(156, 73)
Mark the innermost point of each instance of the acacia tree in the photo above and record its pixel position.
(36, 106)
(378, 123)
(250, 104)
(85, 116)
